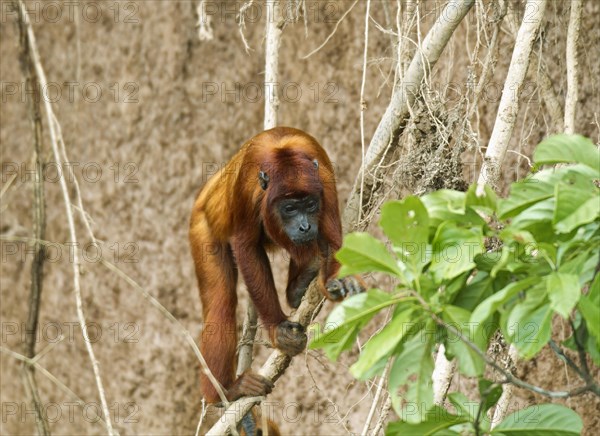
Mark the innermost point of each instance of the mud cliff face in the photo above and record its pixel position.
(148, 113)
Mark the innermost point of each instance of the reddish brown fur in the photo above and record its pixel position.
(233, 223)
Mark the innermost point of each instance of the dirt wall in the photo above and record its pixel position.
(148, 111)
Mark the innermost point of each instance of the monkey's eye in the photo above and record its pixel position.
(312, 206)
(289, 209)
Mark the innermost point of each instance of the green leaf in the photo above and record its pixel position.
(563, 291)
(589, 306)
(464, 406)
(567, 149)
(539, 213)
(346, 320)
(489, 392)
(491, 304)
(586, 213)
(383, 343)
(437, 419)
(469, 362)
(472, 294)
(485, 202)
(411, 375)
(541, 420)
(454, 250)
(362, 253)
(527, 192)
(529, 327)
(449, 205)
(406, 224)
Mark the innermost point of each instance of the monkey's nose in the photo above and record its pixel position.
(304, 227)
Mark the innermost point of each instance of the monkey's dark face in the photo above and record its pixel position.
(300, 218)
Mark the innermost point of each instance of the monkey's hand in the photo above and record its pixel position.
(289, 337)
(249, 384)
(339, 289)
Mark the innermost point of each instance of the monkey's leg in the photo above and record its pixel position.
(217, 279)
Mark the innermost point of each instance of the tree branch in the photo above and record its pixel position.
(41, 76)
(509, 103)
(39, 228)
(405, 93)
(572, 64)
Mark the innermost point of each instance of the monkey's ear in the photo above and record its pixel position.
(316, 164)
(263, 179)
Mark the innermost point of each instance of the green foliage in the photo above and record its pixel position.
(466, 265)
(541, 420)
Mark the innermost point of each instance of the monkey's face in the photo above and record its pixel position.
(300, 218)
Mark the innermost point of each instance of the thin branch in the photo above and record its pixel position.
(70, 219)
(583, 361)
(153, 301)
(382, 380)
(507, 390)
(39, 230)
(332, 32)
(246, 343)
(385, 410)
(509, 377)
(204, 25)
(33, 362)
(182, 330)
(363, 105)
(241, 18)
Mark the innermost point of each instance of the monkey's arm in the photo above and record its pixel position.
(334, 288)
(299, 277)
(255, 268)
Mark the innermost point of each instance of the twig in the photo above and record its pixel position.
(205, 30)
(229, 420)
(383, 415)
(507, 390)
(68, 209)
(246, 343)
(182, 330)
(363, 106)
(509, 377)
(561, 354)
(242, 23)
(39, 230)
(382, 381)
(332, 32)
(583, 361)
(49, 375)
(153, 301)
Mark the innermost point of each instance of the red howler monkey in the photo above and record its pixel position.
(277, 191)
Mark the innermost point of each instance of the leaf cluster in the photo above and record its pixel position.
(468, 264)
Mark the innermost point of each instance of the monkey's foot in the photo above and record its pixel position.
(249, 384)
(290, 338)
(344, 287)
